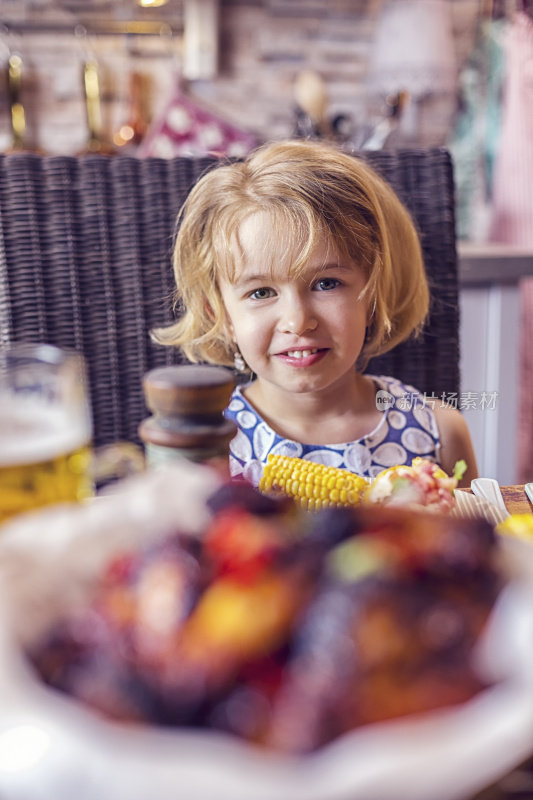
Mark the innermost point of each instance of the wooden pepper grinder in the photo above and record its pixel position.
(188, 402)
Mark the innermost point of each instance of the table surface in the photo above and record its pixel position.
(516, 500)
(518, 784)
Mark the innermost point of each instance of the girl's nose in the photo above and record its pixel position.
(297, 318)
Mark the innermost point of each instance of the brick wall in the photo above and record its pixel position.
(263, 46)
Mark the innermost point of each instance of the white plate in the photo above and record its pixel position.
(52, 748)
(470, 506)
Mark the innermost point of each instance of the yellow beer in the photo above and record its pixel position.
(61, 478)
(45, 430)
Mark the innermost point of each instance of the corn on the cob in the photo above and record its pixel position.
(313, 486)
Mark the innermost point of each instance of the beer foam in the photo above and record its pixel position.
(32, 431)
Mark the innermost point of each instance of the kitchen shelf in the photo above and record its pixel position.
(95, 28)
(489, 263)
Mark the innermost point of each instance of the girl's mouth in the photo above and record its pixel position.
(303, 358)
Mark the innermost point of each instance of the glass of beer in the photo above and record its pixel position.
(45, 428)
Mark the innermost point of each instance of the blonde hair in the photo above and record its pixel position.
(307, 189)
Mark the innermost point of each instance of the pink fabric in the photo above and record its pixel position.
(189, 128)
(512, 217)
(512, 214)
(525, 427)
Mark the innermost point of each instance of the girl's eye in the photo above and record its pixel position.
(262, 294)
(325, 284)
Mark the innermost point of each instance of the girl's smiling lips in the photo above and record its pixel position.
(302, 356)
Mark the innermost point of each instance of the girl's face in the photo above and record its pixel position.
(299, 334)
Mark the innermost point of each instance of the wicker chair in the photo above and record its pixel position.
(85, 262)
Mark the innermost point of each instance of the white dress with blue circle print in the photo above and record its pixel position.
(407, 429)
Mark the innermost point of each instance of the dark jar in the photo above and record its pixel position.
(188, 422)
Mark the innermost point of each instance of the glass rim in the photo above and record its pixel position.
(40, 351)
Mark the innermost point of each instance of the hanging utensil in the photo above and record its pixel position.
(17, 114)
(395, 106)
(311, 98)
(132, 132)
(96, 142)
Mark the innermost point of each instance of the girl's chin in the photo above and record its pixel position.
(322, 377)
(307, 384)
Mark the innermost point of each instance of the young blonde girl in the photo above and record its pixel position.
(300, 264)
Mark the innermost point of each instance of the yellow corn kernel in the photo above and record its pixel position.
(312, 485)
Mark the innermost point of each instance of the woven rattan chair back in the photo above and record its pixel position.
(85, 263)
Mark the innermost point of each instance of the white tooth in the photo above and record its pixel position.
(300, 353)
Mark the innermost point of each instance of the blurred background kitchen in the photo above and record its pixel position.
(190, 77)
